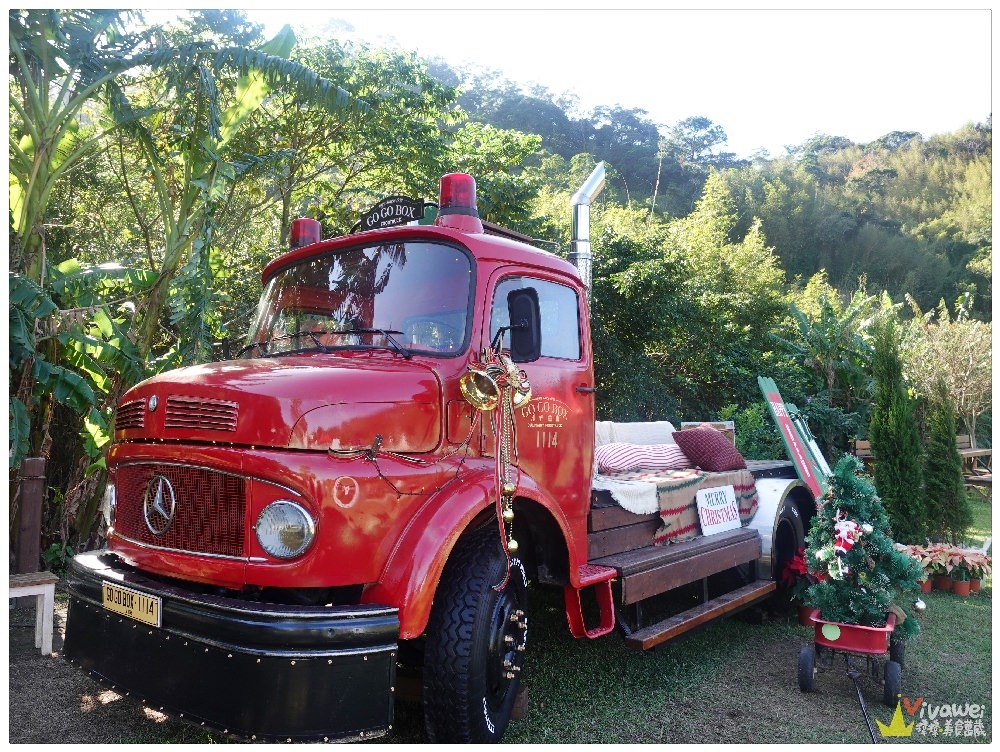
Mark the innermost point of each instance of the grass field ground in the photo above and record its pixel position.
(736, 681)
(732, 682)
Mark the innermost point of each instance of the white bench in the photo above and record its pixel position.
(43, 586)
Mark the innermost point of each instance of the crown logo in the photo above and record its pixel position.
(898, 727)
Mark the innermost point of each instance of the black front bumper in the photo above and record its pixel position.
(264, 671)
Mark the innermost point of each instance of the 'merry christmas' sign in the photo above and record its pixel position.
(717, 509)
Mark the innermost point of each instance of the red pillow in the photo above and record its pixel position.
(619, 457)
(709, 449)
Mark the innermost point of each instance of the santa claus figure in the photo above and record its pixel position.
(846, 534)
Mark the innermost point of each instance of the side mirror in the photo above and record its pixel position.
(525, 325)
(226, 347)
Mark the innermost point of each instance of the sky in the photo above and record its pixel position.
(771, 78)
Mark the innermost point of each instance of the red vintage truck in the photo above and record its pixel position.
(295, 531)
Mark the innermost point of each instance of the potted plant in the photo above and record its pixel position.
(979, 566)
(796, 579)
(960, 580)
(939, 561)
(919, 554)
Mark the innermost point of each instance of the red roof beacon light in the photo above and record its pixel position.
(304, 231)
(457, 207)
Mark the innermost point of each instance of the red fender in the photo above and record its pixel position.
(413, 570)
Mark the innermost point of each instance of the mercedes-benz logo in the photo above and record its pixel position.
(159, 504)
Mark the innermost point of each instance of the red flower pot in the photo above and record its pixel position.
(926, 585)
(805, 616)
(976, 585)
(942, 582)
(961, 587)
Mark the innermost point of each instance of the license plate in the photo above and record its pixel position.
(131, 603)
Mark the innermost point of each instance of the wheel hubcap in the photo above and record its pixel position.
(507, 647)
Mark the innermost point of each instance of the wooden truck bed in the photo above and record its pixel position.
(622, 540)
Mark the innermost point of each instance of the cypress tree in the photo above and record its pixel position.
(948, 512)
(895, 440)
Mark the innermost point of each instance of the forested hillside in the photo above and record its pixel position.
(913, 214)
(155, 171)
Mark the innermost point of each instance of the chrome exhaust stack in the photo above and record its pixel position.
(579, 250)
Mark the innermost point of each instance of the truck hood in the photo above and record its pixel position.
(294, 402)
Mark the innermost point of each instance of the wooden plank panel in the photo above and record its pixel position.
(605, 518)
(629, 562)
(642, 585)
(656, 634)
(621, 539)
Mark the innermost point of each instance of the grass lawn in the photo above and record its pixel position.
(736, 681)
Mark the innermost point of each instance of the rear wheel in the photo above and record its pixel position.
(789, 534)
(475, 643)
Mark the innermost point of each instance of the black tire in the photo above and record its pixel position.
(789, 535)
(807, 668)
(893, 684)
(475, 643)
(897, 652)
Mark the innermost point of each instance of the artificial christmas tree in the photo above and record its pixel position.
(850, 549)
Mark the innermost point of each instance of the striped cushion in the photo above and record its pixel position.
(619, 457)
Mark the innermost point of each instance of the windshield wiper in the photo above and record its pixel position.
(387, 333)
(315, 337)
(261, 348)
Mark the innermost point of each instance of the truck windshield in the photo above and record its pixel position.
(408, 297)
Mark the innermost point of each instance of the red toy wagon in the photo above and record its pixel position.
(873, 644)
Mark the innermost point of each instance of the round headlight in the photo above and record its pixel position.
(284, 529)
(109, 504)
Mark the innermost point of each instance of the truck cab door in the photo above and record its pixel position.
(555, 429)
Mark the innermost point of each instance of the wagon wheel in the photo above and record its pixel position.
(893, 683)
(807, 668)
(897, 651)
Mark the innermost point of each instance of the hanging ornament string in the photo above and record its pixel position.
(373, 453)
(495, 384)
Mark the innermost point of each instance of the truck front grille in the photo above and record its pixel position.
(209, 508)
(131, 415)
(200, 414)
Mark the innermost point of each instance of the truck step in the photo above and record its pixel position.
(598, 577)
(652, 570)
(656, 634)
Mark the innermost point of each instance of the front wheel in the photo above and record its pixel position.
(897, 651)
(475, 643)
(807, 668)
(893, 684)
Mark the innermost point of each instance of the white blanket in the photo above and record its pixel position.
(636, 496)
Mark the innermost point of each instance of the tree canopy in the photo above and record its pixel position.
(155, 170)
